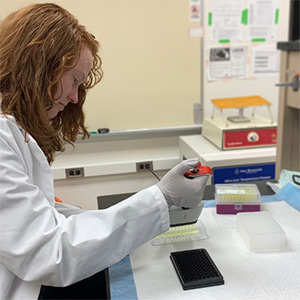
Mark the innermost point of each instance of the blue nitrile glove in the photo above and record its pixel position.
(181, 191)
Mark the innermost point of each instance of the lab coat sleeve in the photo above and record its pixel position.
(68, 210)
(39, 244)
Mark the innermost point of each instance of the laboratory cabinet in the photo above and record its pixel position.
(288, 141)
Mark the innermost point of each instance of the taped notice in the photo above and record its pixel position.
(227, 62)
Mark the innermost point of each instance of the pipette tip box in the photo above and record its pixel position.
(260, 231)
(235, 198)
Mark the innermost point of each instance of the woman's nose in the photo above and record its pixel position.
(73, 96)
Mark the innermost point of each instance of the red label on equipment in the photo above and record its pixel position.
(250, 138)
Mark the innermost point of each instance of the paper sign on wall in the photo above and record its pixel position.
(226, 20)
(265, 61)
(195, 10)
(227, 62)
(262, 19)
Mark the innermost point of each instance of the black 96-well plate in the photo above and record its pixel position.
(196, 269)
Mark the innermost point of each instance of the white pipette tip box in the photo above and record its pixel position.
(260, 232)
(235, 198)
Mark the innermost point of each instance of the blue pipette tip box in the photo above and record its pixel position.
(196, 269)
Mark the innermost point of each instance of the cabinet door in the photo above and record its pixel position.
(293, 98)
(288, 136)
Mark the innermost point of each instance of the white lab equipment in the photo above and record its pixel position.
(239, 132)
(231, 166)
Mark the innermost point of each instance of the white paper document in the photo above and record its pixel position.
(265, 61)
(261, 19)
(226, 20)
(227, 62)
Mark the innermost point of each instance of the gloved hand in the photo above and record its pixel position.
(181, 191)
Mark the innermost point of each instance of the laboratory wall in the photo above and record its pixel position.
(155, 71)
(151, 65)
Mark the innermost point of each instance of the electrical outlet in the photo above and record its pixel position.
(144, 166)
(74, 172)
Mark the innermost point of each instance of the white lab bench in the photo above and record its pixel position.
(247, 275)
(230, 166)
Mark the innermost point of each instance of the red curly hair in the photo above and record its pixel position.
(37, 45)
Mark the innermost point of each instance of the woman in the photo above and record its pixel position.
(47, 63)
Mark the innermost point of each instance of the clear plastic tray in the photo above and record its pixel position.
(260, 231)
(182, 233)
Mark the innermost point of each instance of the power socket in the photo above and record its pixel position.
(74, 172)
(144, 166)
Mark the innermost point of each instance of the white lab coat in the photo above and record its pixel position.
(41, 245)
